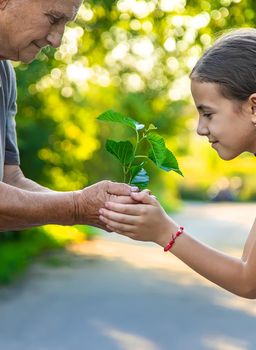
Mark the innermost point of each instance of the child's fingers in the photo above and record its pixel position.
(122, 218)
(130, 209)
(124, 200)
(127, 234)
(116, 226)
(144, 197)
(110, 229)
(145, 191)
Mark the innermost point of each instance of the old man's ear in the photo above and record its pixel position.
(3, 4)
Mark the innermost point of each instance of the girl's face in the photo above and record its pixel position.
(227, 125)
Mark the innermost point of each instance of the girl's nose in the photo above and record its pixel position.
(202, 128)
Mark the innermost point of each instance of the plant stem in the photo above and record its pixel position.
(137, 142)
(124, 173)
(126, 170)
(140, 156)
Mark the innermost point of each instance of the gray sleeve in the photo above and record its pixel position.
(11, 148)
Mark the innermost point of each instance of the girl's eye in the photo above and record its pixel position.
(207, 115)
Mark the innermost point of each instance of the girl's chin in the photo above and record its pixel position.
(227, 155)
(224, 154)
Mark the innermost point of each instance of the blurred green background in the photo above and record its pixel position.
(133, 57)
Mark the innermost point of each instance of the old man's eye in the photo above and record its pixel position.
(52, 19)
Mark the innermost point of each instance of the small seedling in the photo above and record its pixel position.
(132, 159)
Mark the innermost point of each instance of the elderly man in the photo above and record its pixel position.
(25, 27)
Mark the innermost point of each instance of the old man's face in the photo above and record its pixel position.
(29, 25)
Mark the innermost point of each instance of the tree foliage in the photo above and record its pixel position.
(131, 56)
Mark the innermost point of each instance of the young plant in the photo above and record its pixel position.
(132, 159)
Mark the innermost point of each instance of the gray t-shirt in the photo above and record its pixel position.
(9, 153)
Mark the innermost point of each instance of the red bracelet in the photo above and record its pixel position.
(171, 243)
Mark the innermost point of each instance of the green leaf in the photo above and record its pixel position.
(141, 180)
(112, 116)
(170, 162)
(157, 151)
(161, 155)
(152, 127)
(134, 170)
(122, 150)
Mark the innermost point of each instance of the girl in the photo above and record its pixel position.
(223, 85)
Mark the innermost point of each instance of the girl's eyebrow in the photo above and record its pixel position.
(203, 107)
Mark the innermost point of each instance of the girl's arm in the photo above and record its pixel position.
(250, 243)
(149, 222)
(235, 275)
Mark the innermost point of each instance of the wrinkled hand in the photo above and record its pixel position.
(89, 200)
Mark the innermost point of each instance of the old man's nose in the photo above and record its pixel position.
(54, 39)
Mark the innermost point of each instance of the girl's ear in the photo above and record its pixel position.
(252, 102)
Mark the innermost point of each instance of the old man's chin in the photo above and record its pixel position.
(27, 55)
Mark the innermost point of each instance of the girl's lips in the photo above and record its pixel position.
(214, 143)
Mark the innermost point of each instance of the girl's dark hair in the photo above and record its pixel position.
(230, 63)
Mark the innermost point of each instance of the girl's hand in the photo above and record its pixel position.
(145, 221)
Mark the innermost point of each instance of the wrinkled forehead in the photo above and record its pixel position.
(68, 8)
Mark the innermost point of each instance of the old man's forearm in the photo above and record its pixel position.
(22, 209)
(14, 176)
(29, 185)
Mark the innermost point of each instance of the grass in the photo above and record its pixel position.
(18, 250)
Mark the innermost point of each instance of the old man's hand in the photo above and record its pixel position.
(88, 201)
